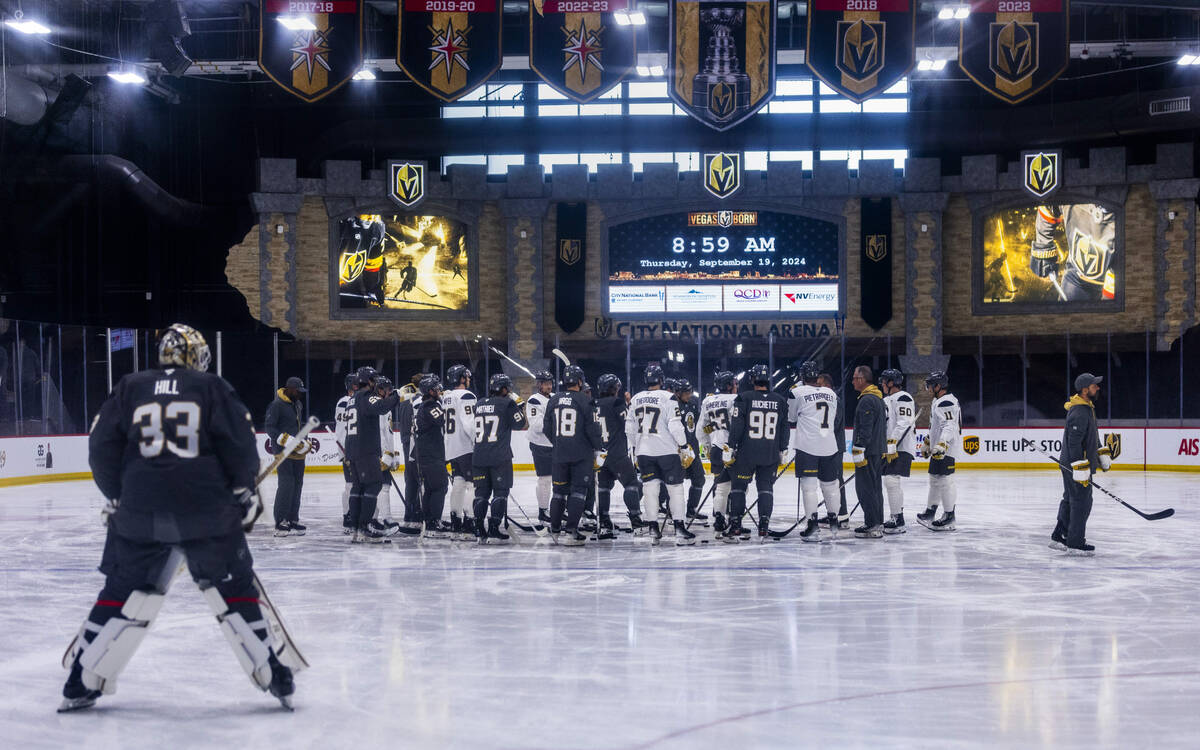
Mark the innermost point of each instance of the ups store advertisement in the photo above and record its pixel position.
(1016, 447)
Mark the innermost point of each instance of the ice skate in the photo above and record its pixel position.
(434, 530)
(282, 529)
(543, 519)
(282, 686)
(1083, 550)
(925, 517)
(697, 517)
(76, 695)
(834, 525)
(347, 524)
(572, 538)
(297, 529)
(812, 532)
(655, 534)
(894, 525)
(1058, 542)
(945, 523)
(371, 536)
(869, 532)
(683, 537)
(495, 535)
(718, 524)
(605, 530)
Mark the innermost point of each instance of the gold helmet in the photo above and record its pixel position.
(183, 346)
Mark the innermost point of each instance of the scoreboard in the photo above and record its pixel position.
(718, 263)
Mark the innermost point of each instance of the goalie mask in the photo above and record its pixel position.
(183, 346)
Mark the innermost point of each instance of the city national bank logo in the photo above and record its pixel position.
(406, 182)
(876, 247)
(569, 251)
(722, 174)
(971, 444)
(1041, 170)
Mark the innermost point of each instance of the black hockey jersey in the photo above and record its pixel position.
(571, 425)
(758, 427)
(610, 418)
(428, 447)
(495, 419)
(171, 445)
(362, 424)
(689, 412)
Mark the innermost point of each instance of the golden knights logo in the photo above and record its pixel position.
(877, 248)
(581, 55)
(970, 444)
(723, 175)
(860, 52)
(570, 251)
(448, 47)
(1014, 55)
(1113, 441)
(722, 58)
(311, 63)
(406, 182)
(351, 266)
(1040, 172)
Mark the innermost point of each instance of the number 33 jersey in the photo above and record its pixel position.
(653, 425)
(812, 410)
(173, 442)
(495, 419)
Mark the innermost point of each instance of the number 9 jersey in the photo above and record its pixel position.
(171, 445)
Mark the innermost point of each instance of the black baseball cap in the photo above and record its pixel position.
(297, 383)
(1085, 379)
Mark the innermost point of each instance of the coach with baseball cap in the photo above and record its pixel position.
(1082, 454)
(284, 417)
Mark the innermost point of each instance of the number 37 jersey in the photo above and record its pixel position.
(653, 425)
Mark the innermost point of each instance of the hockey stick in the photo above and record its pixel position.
(559, 353)
(700, 507)
(293, 444)
(539, 530)
(523, 368)
(1148, 516)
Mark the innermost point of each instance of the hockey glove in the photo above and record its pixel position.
(110, 507)
(891, 451)
(784, 457)
(709, 427)
(860, 456)
(1043, 261)
(282, 441)
(302, 447)
(728, 455)
(1105, 458)
(923, 447)
(939, 451)
(1081, 471)
(598, 459)
(687, 456)
(252, 506)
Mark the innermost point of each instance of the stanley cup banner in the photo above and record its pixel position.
(1014, 49)
(860, 48)
(448, 47)
(577, 47)
(310, 63)
(722, 58)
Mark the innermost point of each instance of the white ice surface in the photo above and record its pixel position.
(983, 637)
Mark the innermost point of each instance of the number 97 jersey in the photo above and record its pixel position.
(495, 419)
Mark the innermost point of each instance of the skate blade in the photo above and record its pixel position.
(75, 704)
(286, 702)
(684, 542)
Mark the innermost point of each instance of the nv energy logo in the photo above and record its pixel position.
(406, 182)
(722, 174)
(1041, 172)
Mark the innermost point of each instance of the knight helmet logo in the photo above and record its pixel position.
(351, 266)
(603, 327)
(724, 219)
(1014, 50)
(1041, 172)
(569, 251)
(722, 174)
(877, 247)
(860, 48)
(1113, 441)
(971, 444)
(406, 182)
(722, 100)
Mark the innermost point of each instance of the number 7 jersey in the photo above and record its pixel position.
(813, 411)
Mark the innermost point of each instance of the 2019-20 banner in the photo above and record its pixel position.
(448, 47)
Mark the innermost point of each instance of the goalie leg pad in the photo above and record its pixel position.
(114, 643)
(248, 638)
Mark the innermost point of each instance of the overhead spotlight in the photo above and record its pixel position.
(131, 75)
(961, 12)
(656, 70)
(644, 70)
(26, 25)
(297, 23)
(737, 349)
(939, 64)
(364, 74)
(953, 12)
(925, 65)
(1188, 60)
(630, 18)
(946, 13)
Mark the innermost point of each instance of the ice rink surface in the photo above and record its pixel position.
(979, 638)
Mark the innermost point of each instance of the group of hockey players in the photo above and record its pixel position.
(585, 441)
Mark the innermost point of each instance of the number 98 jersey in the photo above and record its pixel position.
(758, 427)
(173, 441)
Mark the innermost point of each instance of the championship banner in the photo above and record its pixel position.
(1015, 48)
(875, 262)
(448, 47)
(722, 58)
(860, 48)
(310, 63)
(570, 266)
(577, 47)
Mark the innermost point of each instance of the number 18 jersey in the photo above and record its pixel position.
(653, 424)
(813, 410)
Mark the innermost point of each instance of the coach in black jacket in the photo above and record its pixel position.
(284, 417)
(1082, 454)
(870, 438)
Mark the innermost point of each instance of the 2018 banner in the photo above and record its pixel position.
(448, 47)
(1015, 48)
(577, 47)
(310, 63)
(860, 48)
(722, 58)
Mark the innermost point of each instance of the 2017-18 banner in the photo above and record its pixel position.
(577, 47)
(311, 63)
(860, 48)
(722, 58)
(448, 47)
(1015, 48)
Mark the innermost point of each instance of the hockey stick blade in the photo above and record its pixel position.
(1158, 516)
(559, 353)
(308, 427)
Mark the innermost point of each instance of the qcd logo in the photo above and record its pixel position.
(751, 293)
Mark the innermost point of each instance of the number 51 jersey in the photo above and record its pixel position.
(171, 445)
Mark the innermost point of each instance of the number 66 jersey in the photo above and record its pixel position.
(171, 445)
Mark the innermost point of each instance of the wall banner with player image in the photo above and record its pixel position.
(416, 266)
(1061, 256)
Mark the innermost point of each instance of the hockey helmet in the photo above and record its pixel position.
(366, 375)
(809, 372)
(543, 376)
(573, 375)
(671, 384)
(383, 383)
(457, 374)
(759, 375)
(938, 378)
(499, 382)
(183, 346)
(351, 380)
(724, 381)
(654, 375)
(430, 386)
(608, 385)
(892, 375)
(682, 384)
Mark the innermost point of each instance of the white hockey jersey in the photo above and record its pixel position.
(945, 425)
(714, 412)
(387, 440)
(813, 410)
(653, 425)
(459, 439)
(536, 409)
(339, 421)
(901, 422)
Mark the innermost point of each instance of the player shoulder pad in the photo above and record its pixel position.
(467, 396)
(947, 403)
(903, 397)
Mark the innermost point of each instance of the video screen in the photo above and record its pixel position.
(403, 263)
(1051, 255)
(717, 262)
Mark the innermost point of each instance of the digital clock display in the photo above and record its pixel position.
(724, 262)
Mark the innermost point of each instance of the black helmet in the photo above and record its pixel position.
(543, 376)
(608, 385)
(430, 385)
(351, 380)
(383, 382)
(365, 375)
(499, 382)
(457, 374)
(724, 381)
(682, 384)
(759, 375)
(573, 375)
(938, 377)
(654, 375)
(809, 372)
(671, 384)
(893, 375)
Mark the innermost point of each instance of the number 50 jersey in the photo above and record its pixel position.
(171, 445)
(653, 425)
